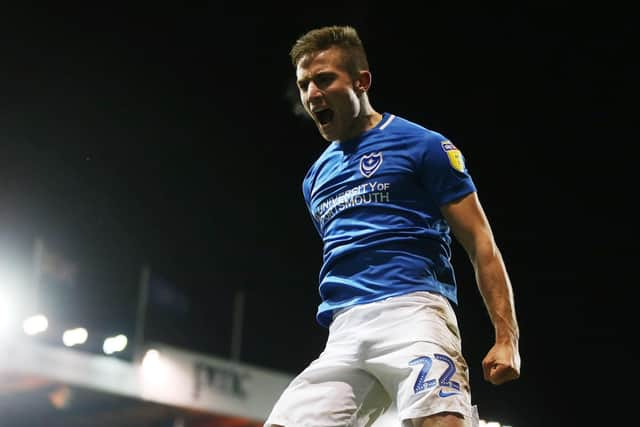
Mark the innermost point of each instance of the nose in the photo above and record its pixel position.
(313, 91)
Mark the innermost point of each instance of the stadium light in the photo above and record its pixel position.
(114, 344)
(154, 369)
(75, 336)
(35, 324)
(151, 360)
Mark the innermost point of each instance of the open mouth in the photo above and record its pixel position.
(324, 116)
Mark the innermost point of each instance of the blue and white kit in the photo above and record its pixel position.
(386, 283)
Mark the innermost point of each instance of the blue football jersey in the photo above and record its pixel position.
(375, 201)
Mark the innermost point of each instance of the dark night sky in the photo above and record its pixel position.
(163, 135)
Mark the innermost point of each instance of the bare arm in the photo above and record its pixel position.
(471, 228)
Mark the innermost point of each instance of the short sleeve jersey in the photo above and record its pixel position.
(375, 201)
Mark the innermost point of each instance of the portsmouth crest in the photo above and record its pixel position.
(455, 156)
(369, 163)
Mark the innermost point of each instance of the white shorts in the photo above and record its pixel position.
(403, 353)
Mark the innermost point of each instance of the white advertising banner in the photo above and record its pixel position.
(166, 375)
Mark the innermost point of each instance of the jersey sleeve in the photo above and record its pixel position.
(443, 170)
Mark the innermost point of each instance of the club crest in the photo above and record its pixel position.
(369, 163)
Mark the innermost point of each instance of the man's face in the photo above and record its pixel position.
(328, 94)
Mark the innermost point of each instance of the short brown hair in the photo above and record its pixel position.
(344, 37)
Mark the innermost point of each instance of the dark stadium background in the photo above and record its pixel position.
(165, 136)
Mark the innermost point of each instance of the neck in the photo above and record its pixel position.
(362, 123)
(372, 120)
(368, 116)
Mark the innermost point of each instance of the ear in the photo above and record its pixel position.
(363, 82)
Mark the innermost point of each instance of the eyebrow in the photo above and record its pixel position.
(315, 76)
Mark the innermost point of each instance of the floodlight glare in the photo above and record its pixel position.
(11, 300)
(7, 314)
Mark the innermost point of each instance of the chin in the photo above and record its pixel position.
(325, 135)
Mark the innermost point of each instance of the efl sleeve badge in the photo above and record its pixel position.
(455, 156)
